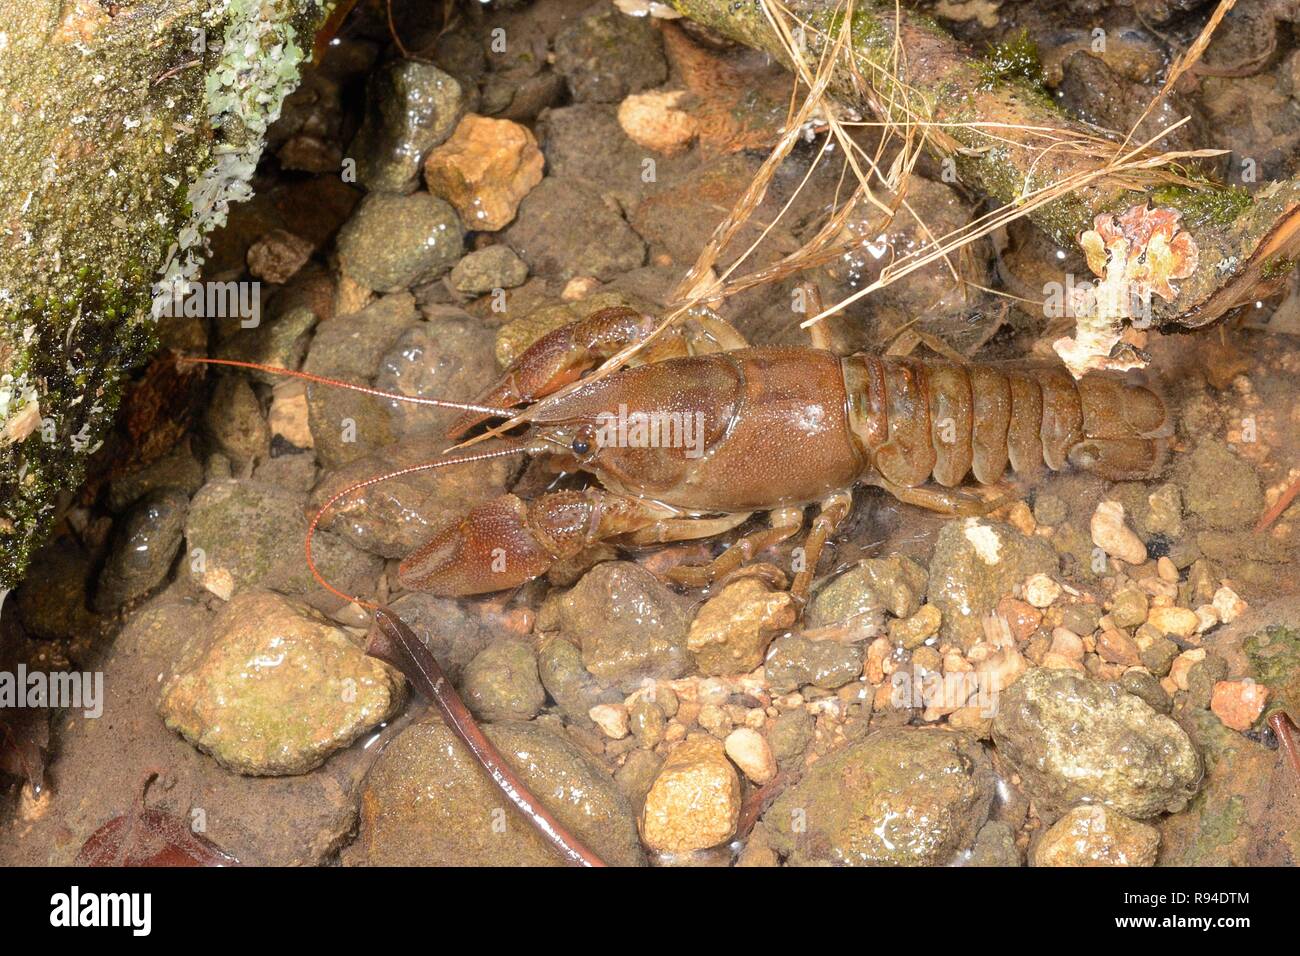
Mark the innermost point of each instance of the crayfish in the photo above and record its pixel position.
(703, 431)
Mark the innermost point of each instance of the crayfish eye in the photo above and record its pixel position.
(581, 446)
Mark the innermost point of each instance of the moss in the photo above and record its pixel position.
(1014, 58)
(1205, 204)
(1277, 267)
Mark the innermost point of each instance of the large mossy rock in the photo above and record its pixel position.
(129, 129)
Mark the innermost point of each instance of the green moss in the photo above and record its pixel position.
(1206, 204)
(1277, 267)
(1014, 58)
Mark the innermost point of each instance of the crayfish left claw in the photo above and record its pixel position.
(490, 549)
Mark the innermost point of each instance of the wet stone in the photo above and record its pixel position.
(1073, 739)
(144, 545)
(674, 818)
(995, 845)
(393, 242)
(234, 420)
(276, 689)
(496, 267)
(796, 661)
(789, 735)
(501, 682)
(894, 584)
(565, 229)
(453, 636)
(908, 797)
(411, 108)
(177, 469)
(628, 625)
(606, 55)
(976, 562)
(567, 680)
(1097, 836)
(1220, 487)
(278, 255)
(484, 170)
(427, 802)
(280, 341)
(732, 629)
(637, 774)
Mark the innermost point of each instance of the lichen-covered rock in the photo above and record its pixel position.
(795, 661)
(606, 55)
(427, 802)
(976, 562)
(394, 242)
(694, 803)
(1097, 836)
(908, 797)
(484, 170)
(143, 548)
(411, 108)
(1076, 740)
(501, 682)
(496, 267)
(276, 689)
(732, 629)
(629, 626)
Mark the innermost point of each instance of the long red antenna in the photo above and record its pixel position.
(364, 389)
(521, 448)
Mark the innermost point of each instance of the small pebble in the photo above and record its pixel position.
(1167, 570)
(748, 750)
(611, 719)
(1228, 604)
(1112, 535)
(1179, 621)
(1238, 703)
(1041, 591)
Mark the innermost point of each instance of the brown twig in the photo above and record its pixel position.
(1283, 502)
(758, 802)
(393, 642)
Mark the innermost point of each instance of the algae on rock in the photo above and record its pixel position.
(129, 131)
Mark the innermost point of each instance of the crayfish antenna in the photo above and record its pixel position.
(515, 448)
(352, 386)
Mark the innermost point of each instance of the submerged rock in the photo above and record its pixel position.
(629, 626)
(976, 562)
(567, 680)
(144, 546)
(895, 584)
(1097, 836)
(565, 229)
(1221, 488)
(276, 689)
(732, 629)
(496, 267)
(899, 797)
(427, 802)
(484, 170)
(694, 803)
(607, 54)
(795, 661)
(393, 243)
(501, 682)
(1076, 740)
(412, 107)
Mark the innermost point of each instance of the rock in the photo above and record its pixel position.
(1073, 739)
(566, 679)
(893, 584)
(496, 267)
(1238, 703)
(427, 802)
(453, 636)
(1082, 619)
(606, 55)
(501, 682)
(1097, 836)
(485, 170)
(278, 256)
(246, 533)
(1041, 591)
(276, 689)
(234, 420)
(393, 243)
(1116, 647)
(653, 120)
(647, 722)
(789, 735)
(995, 845)
(1218, 486)
(1156, 652)
(1227, 605)
(411, 108)
(1112, 535)
(917, 629)
(1129, 607)
(280, 340)
(637, 775)
(564, 229)
(906, 797)
(177, 469)
(732, 629)
(795, 661)
(694, 803)
(1050, 510)
(1023, 619)
(289, 417)
(1142, 684)
(629, 626)
(611, 719)
(143, 548)
(1179, 621)
(977, 562)
(749, 751)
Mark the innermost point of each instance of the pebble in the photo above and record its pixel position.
(1238, 703)
(411, 108)
(485, 170)
(1041, 591)
(916, 630)
(612, 719)
(496, 267)
(1117, 647)
(393, 242)
(1179, 621)
(1066, 643)
(654, 120)
(1097, 836)
(694, 802)
(278, 255)
(143, 547)
(732, 630)
(1167, 570)
(749, 750)
(501, 682)
(1228, 605)
(1023, 619)
(1183, 664)
(1129, 607)
(1112, 535)
(605, 55)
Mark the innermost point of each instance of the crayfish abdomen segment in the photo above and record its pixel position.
(919, 420)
